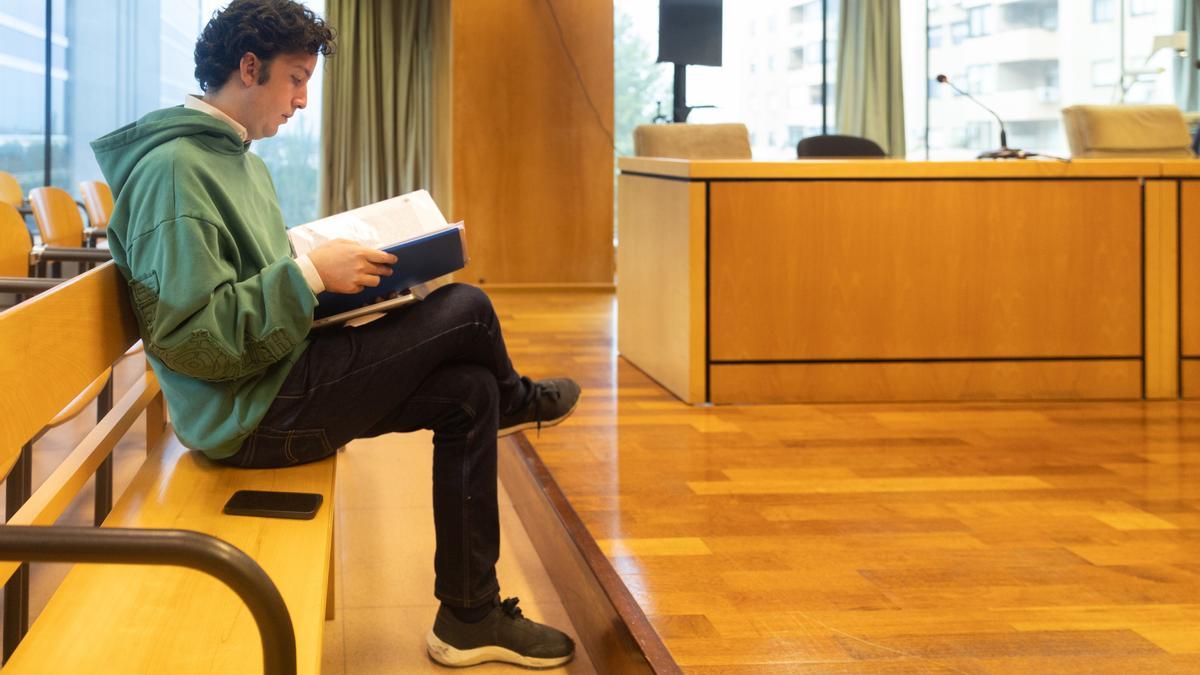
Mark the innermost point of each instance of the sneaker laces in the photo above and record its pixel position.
(509, 607)
(540, 391)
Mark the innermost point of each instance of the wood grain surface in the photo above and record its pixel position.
(928, 269)
(661, 288)
(532, 157)
(883, 538)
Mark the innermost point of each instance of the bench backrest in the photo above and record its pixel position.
(53, 346)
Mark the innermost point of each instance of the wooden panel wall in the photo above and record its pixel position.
(926, 269)
(532, 162)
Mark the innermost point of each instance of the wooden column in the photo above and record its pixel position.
(532, 158)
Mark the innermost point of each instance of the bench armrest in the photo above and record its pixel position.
(182, 548)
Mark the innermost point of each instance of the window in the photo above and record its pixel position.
(935, 36)
(89, 97)
(958, 32)
(1141, 7)
(978, 135)
(979, 21)
(1104, 73)
(803, 45)
(809, 12)
(1060, 60)
(979, 78)
(1041, 14)
(22, 79)
(812, 54)
(796, 61)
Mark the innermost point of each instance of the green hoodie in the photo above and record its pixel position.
(223, 309)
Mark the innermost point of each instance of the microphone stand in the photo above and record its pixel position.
(1004, 152)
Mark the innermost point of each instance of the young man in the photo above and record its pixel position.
(225, 313)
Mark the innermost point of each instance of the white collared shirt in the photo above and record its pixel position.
(193, 102)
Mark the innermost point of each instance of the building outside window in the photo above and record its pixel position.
(959, 30)
(979, 78)
(935, 36)
(1142, 7)
(740, 94)
(979, 21)
(1051, 55)
(1104, 73)
(797, 58)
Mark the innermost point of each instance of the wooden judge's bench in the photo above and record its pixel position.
(887, 280)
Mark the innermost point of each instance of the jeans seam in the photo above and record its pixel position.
(397, 354)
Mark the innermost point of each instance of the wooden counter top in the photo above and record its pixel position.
(900, 169)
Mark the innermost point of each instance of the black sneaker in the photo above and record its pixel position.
(504, 635)
(553, 401)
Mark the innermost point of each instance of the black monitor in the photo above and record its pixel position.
(689, 32)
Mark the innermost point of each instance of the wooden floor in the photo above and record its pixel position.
(936, 538)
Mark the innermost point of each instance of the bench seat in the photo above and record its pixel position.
(155, 619)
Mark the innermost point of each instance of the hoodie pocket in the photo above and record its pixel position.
(144, 293)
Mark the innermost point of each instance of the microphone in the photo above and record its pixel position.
(1004, 152)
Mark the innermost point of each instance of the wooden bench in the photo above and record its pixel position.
(170, 605)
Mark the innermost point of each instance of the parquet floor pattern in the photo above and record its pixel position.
(932, 538)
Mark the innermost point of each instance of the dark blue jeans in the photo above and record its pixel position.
(438, 364)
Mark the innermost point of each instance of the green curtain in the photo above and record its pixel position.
(870, 98)
(1187, 86)
(376, 127)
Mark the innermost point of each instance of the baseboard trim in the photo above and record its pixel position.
(611, 626)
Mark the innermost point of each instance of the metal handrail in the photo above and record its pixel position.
(181, 548)
(68, 254)
(28, 284)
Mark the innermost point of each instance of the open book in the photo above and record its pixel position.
(410, 227)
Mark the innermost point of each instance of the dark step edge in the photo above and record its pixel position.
(611, 626)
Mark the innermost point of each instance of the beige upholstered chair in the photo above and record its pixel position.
(1115, 131)
(692, 141)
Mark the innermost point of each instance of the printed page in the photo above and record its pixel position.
(377, 225)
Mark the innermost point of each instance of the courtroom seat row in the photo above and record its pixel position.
(57, 212)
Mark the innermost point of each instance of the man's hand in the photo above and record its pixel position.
(347, 267)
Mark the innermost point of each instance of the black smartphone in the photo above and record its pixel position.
(296, 505)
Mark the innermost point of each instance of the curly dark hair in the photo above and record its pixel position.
(265, 27)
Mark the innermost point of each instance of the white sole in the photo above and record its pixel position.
(531, 425)
(460, 658)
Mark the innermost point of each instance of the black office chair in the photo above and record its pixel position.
(836, 145)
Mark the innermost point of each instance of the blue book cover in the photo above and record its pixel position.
(418, 261)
